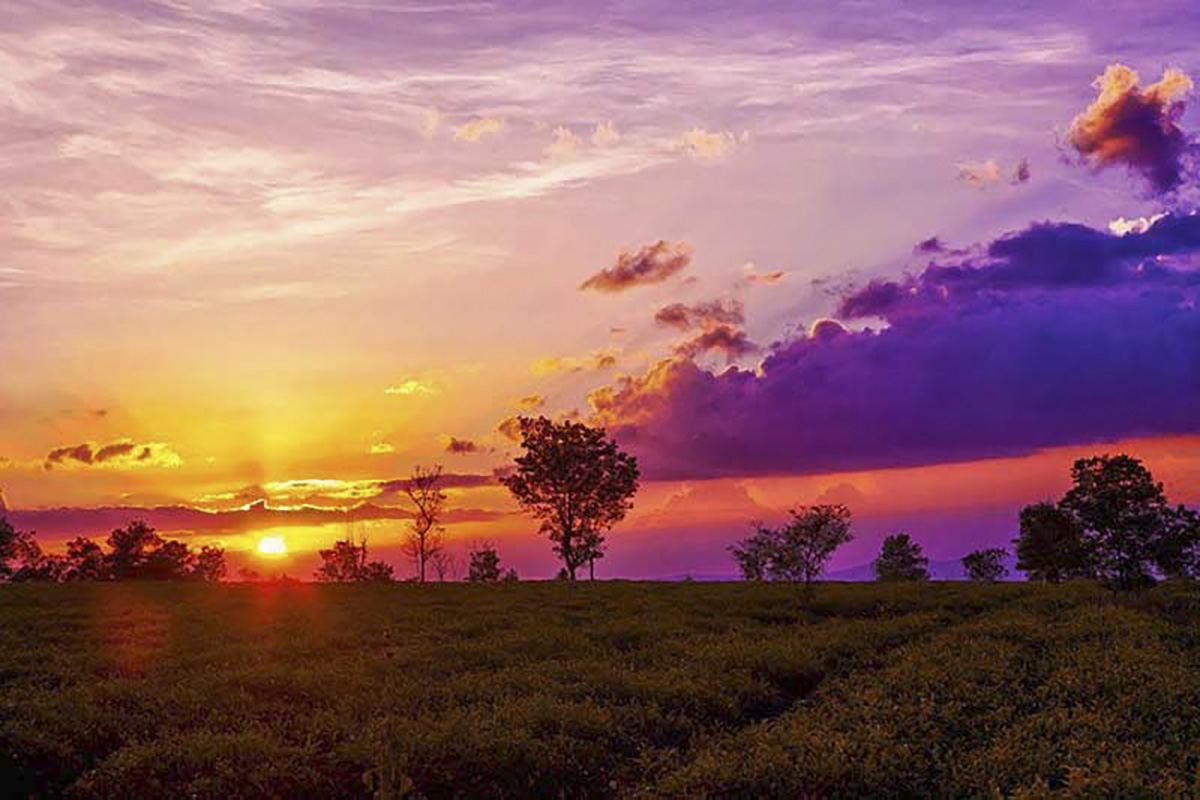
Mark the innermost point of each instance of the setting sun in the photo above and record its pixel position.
(272, 546)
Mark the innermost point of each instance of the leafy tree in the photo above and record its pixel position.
(753, 556)
(34, 565)
(511, 576)
(1177, 551)
(424, 541)
(209, 564)
(8, 547)
(346, 562)
(170, 561)
(1123, 514)
(129, 550)
(484, 566)
(901, 559)
(1050, 546)
(85, 560)
(797, 551)
(377, 572)
(577, 482)
(986, 565)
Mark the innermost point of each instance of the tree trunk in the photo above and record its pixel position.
(591, 569)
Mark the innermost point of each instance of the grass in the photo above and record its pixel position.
(611, 689)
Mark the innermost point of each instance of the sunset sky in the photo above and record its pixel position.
(259, 258)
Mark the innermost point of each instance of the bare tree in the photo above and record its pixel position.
(424, 541)
(445, 564)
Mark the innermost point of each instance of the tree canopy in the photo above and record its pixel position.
(576, 481)
(986, 565)
(798, 550)
(901, 559)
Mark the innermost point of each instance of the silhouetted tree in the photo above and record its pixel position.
(8, 547)
(129, 550)
(377, 572)
(511, 576)
(753, 556)
(247, 574)
(444, 563)
(577, 482)
(986, 565)
(901, 559)
(33, 564)
(1050, 546)
(1124, 516)
(170, 561)
(209, 564)
(798, 550)
(1177, 551)
(424, 540)
(484, 565)
(85, 560)
(346, 562)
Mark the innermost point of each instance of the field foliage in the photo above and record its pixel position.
(608, 689)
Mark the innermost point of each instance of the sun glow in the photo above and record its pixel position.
(272, 546)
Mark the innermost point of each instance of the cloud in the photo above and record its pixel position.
(477, 128)
(1021, 172)
(122, 454)
(751, 275)
(1136, 128)
(979, 173)
(460, 447)
(931, 245)
(599, 360)
(727, 339)
(709, 145)
(704, 315)
(605, 134)
(649, 264)
(510, 428)
(531, 401)
(258, 515)
(1121, 226)
(982, 174)
(412, 386)
(381, 449)
(1054, 335)
(563, 143)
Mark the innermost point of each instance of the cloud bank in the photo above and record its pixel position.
(1056, 334)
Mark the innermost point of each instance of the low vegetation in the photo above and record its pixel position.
(598, 690)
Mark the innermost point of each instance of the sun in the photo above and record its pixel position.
(272, 546)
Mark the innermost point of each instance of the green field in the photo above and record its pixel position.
(607, 689)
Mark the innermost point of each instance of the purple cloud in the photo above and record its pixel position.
(1058, 334)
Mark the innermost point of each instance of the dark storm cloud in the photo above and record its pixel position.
(652, 263)
(1055, 335)
(1137, 128)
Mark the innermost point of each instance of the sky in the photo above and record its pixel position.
(260, 258)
